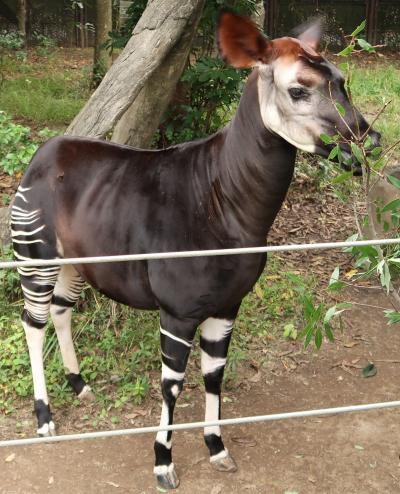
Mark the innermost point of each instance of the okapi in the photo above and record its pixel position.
(87, 197)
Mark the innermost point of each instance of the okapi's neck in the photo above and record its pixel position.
(256, 167)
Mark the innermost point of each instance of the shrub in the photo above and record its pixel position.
(17, 145)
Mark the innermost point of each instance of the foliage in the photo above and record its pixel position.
(211, 90)
(382, 262)
(45, 44)
(16, 145)
(10, 41)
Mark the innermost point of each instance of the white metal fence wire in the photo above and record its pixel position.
(196, 253)
(199, 253)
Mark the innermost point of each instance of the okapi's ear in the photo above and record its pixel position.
(240, 42)
(310, 33)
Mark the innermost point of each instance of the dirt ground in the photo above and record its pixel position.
(352, 453)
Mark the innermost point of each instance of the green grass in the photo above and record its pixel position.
(372, 87)
(114, 340)
(41, 90)
(53, 100)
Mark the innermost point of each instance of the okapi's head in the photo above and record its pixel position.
(301, 94)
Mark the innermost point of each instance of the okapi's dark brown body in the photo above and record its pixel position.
(224, 191)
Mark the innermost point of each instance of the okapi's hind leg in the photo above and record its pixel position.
(28, 230)
(66, 292)
(214, 344)
(37, 286)
(176, 342)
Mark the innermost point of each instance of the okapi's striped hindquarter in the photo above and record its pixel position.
(85, 197)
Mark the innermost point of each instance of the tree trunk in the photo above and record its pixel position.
(21, 16)
(157, 32)
(372, 21)
(103, 25)
(139, 123)
(271, 14)
(259, 16)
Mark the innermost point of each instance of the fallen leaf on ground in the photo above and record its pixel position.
(10, 458)
(350, 344)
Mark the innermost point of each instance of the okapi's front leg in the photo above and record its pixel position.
(214, 343)
(176, 342)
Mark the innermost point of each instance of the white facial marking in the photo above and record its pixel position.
(215, 329)
(294, 121)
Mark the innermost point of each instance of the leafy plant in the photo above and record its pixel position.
(382, 262)
(17, 145)
(212, 89)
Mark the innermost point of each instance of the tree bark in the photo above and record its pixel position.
(139, 123)
(21, 16)
(259, 16)
(271, 14)
(102, 59)
(157, 32)
(372, 20)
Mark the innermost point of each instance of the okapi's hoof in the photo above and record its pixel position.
(166, 476)
(47, 430)
(224, 463)
(87, 394)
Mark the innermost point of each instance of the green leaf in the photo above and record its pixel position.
(340, 109)
(365, 45)
(394, 181)
(326, 139)
(346, 51)
(334, 152)
(358, 29)
(357, 152)
(328, 332)
(376, 151)
(392, 206)
(342, 177)
(393, 316)
(369, 371)
(318, 338)
(368, 142)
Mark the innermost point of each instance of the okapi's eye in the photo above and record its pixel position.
(297, 93)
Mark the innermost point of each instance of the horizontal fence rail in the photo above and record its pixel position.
(196, 253)
(197, 425)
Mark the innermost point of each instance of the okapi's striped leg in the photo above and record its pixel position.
(37, 286)
(66, 292)
(214, 343)
(175, 350)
